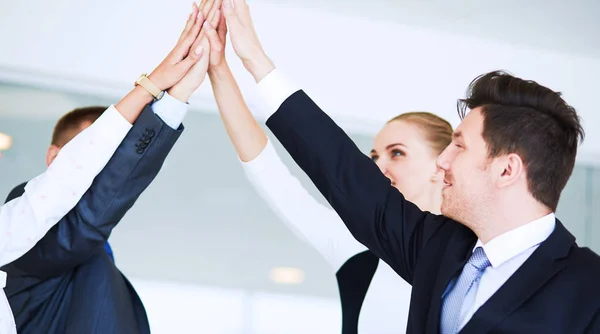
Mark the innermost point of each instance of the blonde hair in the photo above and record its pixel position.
(438, 132)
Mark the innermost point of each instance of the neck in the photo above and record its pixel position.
(508, 218)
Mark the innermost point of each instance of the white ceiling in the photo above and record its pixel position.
(390, 56)
(565, 26)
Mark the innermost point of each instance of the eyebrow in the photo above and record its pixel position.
(389, 146)
(457, 135)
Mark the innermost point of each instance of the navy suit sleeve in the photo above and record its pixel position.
(376, 213)
(594, 326)
(85, 229)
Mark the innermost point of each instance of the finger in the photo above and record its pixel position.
(222, 28)
(215, 42)
(193, 50)
(205, 56)
(189, 23)
(214, 20)
(209, 18)
(206, 7)
(200, 68)
(238, 3)
(183, 48)
(240, 6)
(217, 5)
(189, 61)
(201, 51)
(230, 14)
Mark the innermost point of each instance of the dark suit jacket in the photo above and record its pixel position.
(68, 283)
(557, 290)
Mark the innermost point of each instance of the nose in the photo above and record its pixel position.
(443, 161)
(382, 164)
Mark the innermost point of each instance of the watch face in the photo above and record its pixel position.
(160, 95)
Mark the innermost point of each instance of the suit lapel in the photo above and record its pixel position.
(457, 253)
(541, 266)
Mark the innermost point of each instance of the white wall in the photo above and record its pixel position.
(386, 68)
(186, 308)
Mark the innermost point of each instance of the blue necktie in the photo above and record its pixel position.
(109, 251)
(462, 295)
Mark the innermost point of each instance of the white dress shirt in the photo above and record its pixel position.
(506, 252)
(170, 110)
(385, 308)
(51, 195)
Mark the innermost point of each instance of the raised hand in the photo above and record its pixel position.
(184, 55)
(217, 40)
(244, 40)
(184, 89)
(210, 10)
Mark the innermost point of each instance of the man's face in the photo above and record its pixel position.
(54, 149)
(468, 183)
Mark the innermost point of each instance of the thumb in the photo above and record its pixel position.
(213, 38)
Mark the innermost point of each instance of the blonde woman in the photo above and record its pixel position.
(374, 298)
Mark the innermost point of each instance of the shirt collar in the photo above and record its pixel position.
(510, 244)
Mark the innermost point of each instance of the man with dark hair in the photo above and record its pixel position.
(531, 120)
(68, 282)
(69, 125)
(497, 261)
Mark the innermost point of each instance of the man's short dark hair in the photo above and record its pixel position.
(69, 125)
(526, 118)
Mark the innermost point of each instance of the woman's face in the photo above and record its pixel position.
(403, 155)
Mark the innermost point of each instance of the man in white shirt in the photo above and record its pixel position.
(498, 260)
(67, 283)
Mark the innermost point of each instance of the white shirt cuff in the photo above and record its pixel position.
(275, 89)
(170, 110)
(262, 161)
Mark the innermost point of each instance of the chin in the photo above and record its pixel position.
(448, 211)
(445, 212)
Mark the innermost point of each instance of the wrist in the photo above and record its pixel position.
(182, 95)
(131, 105)
(218, 70)
(157, 81)
(259, 66)
(142, 94)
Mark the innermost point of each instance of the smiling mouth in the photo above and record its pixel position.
(447, 184)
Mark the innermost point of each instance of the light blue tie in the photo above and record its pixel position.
(462, 295)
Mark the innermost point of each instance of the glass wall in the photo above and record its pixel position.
(199, 244)
(578, 207)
